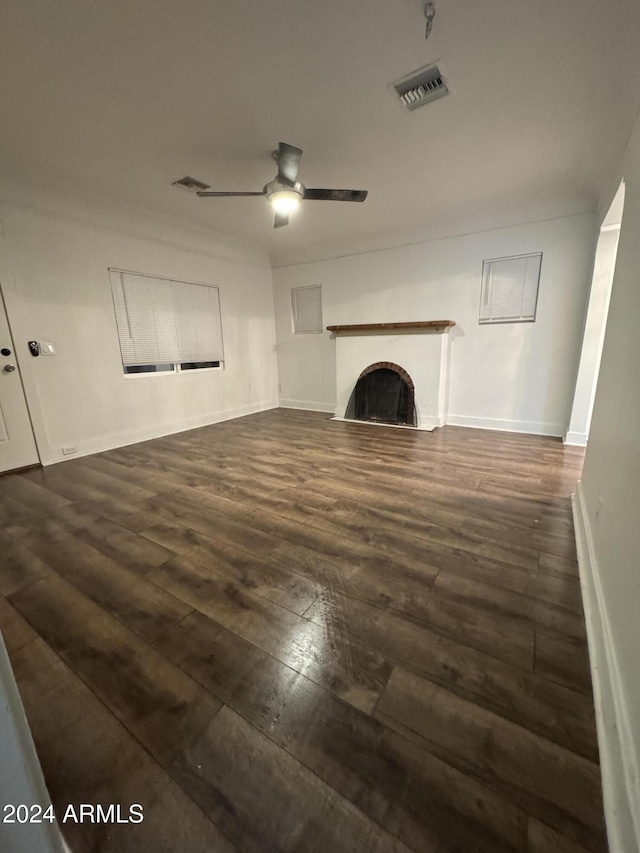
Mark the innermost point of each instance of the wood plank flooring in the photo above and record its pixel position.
(284, 633)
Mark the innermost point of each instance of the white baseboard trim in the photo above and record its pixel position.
(503, 425)
(111, 441)
(431, 423)
(308, 406)
(618, 756)
(576, 439)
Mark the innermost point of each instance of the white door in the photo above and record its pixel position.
(17, 445)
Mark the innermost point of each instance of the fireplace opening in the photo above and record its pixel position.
(384, 393)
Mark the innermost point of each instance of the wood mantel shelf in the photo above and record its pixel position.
(417, 325)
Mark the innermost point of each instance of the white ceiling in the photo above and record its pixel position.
(121, 97)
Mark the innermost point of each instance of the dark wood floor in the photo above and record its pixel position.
(283, 633)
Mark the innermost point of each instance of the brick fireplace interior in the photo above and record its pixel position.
(384, 393)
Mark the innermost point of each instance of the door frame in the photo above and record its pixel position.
(17, 357)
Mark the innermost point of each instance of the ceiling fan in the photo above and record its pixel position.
(285, 192)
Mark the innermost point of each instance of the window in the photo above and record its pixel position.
(149, 368)
(198, 365)
(509, 291)
(166, 326)
(306, 307)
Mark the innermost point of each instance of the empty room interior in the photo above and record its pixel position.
(319, 444)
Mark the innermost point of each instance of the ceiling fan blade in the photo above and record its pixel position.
(281, 219)
(288, 160)
(335, 195)
(209, 194)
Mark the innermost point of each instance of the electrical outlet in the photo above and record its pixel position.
(69, 450)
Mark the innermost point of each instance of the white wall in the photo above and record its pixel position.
(512, 376)
(21, 779)
(609, 511)
(54, 257)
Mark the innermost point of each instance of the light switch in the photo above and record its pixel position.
(47, 348)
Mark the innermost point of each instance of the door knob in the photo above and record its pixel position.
(9, 368)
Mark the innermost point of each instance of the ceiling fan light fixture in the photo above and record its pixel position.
(284, 200)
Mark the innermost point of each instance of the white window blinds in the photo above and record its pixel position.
(198, 327)
(509, 291)
(306, 307)
(161, 321)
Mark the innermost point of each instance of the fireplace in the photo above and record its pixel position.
(384, 393)
(372, 388)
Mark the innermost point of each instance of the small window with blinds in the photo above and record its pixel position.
(166, 326)
(509, 291)
(306, 308)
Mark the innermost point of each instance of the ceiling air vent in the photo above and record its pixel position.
(421, 88)
(189, 183)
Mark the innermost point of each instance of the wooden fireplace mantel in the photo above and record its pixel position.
(415, 326)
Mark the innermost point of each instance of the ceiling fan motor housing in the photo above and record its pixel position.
(276, 186)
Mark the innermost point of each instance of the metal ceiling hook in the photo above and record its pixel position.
(429, 13)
